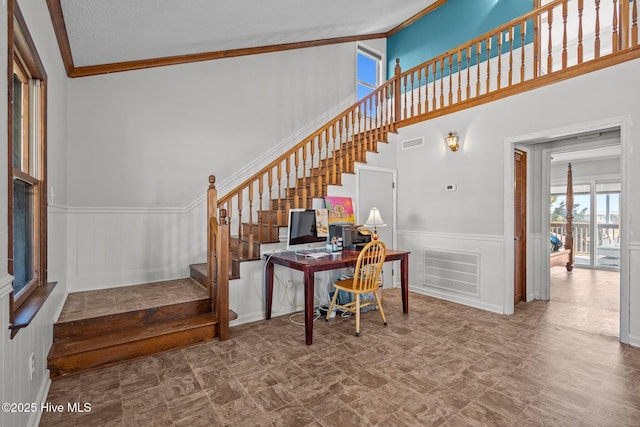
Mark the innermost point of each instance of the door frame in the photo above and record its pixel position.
(538, 171)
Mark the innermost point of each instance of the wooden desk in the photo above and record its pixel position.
(310, 266)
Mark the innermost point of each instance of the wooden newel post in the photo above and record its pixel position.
(212, 233)
(222, 267)
(397, 89)
(568, 244)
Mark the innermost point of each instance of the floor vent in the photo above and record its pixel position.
(457, 272)
(412, 143)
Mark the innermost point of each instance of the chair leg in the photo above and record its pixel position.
(357, 315)
(333, 303)
(384, 319)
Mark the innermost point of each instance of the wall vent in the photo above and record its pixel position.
(412, 143)
(457, 272)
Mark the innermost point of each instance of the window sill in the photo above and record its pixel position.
(27, 311)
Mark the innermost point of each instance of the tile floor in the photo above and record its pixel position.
(443, 364)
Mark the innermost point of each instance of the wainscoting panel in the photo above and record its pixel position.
(119, 247)
(463, 268)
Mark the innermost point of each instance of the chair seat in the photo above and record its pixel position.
(348, 285)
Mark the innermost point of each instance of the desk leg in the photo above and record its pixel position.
(269, 288)
(404, 283)
(308, 305)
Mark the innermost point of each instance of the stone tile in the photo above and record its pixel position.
(445, 364)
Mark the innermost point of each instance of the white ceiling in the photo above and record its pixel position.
(112, 31)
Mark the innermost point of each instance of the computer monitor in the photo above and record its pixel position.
(302, 231)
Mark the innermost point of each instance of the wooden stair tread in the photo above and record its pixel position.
(114, 338)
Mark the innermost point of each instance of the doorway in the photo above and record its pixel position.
(540, 148)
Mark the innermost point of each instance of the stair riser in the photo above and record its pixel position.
(122, 321)
(75, 363)
(261, 233)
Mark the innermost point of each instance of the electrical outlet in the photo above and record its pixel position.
(32, 366)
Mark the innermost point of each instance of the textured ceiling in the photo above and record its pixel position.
(114, 31)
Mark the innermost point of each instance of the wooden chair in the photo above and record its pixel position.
(366, 279)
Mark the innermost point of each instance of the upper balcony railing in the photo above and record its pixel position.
(562, 39)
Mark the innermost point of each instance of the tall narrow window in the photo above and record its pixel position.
(368, 64)
(26, 148)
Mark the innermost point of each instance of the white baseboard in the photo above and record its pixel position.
(634, 341)
(43, 392)
(457, 299)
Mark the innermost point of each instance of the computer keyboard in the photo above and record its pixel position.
(317, 254)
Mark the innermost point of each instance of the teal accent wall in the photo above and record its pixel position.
(450, 25)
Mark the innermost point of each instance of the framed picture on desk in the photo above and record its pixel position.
(340, 210)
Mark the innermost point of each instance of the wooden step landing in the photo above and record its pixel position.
(85, 344)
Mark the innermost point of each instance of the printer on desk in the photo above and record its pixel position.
(354, 237)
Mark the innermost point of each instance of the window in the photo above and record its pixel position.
(368, 65)
(596, 222)
(26, 149)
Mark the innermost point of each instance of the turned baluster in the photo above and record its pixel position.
(634, 25)
(419, 90)
(260, 213)
(564, 34)
(296, 187)
(614, 28)
(303, 201)
(580, 47)
(478, 50)
(441, 61)
(550, 41)
(596, 49)
(523, 34)
(450, 61)
(468, 72)
(250, 237)
(240, 206)
(487, 45)
(511, 34)
(459, 75)
(537, 52)
(397, 90)
(499, 75)
(412, 106)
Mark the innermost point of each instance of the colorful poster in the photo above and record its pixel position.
(340, 210)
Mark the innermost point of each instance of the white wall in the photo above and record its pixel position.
(431, 217)
(16, 386)
(143, 143)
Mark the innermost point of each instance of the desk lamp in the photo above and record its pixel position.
(374, 221)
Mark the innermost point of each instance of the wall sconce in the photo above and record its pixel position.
(452, 141)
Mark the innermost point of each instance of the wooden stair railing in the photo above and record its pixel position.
(258, 207)
(561, 40)
(558, 41)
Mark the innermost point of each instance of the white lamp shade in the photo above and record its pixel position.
(375, 219)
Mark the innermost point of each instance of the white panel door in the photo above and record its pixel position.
(376, 188)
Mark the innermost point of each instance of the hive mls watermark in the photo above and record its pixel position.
(22, 407)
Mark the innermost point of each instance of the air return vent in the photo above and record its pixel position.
(412, 143)
(457, 272)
